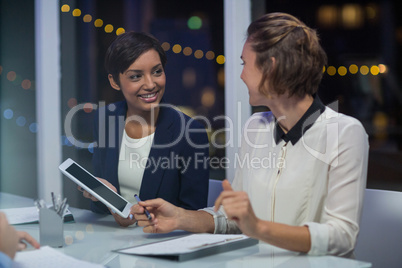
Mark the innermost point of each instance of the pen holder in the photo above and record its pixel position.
(50, 228)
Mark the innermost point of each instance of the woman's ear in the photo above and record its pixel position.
(273, 66)
(113, 83)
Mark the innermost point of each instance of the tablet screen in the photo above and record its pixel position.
(96, 186)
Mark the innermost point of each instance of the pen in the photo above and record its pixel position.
(54, 205)
(146, 211)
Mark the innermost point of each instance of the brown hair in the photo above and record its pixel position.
(299, 57)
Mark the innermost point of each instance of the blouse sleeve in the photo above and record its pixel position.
(339, 226)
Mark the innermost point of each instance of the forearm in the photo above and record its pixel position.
(294, 238)
(195, 221)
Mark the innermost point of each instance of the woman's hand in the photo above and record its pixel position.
(8, 237)
(89, 196)
(24, 236)
(124, 222)
(165, 216)
(237, 207)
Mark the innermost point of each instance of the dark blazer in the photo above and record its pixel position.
(177, 137)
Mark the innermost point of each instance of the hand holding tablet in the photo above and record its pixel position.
(96, 187)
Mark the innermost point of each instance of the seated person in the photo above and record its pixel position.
(11, 241)
(310, 198)
(145, 146)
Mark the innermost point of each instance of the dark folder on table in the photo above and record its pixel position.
(191, 246)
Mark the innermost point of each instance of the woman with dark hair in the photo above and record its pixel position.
(145, 146)
(308, 197)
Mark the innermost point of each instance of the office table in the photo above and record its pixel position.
(92, 238)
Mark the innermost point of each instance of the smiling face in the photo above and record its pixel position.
(142, 84)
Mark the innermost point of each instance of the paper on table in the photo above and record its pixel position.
(183, 245)
(23, 215)
(48, 257)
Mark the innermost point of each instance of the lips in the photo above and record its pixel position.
(149, 97)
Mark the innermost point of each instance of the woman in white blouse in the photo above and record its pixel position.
(304, 166)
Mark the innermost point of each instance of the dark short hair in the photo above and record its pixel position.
(127, 48)
(299, 57)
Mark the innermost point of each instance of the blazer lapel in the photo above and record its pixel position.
(153, 174)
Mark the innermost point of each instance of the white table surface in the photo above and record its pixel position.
(92, 237)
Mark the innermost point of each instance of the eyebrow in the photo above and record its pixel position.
(141, 71)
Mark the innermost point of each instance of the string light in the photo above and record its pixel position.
(198, 54)
(176, 48)
(65, 8)
(109, 28)
(87, 18)
(120, 31)
(76, 12)
(353, 69)
(331, 70)
(98, 23)
(364, 70)
(187, 51)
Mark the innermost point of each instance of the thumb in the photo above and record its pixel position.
(226, 186)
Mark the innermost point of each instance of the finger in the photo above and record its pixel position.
(27, 237)
(226, 186)
(137, 209)
(221, 197)
(21, 246)
(153, 203)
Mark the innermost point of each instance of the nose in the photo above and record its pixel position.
(149, 83)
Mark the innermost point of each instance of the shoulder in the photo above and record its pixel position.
(344, 122)
(177, 118)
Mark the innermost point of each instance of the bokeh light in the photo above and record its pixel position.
(210, 55)
(374, 70)
(353, 69)
(8, 114)
(364, 70)
(165, 46)
(87, 18)
(342, 70)
(194, 23)
(120, 31)
(26, 84)
(21, 121)
(11, 76)
(76, 12)
(220, 59)
(88, 107)
(65, 8)
(383, 68)
(176, 48)
(331, 70)
(72, 102)
(198, 54)
(98, 23)
(33, 127)
(208, 97)
(109, 28)
(187, 51)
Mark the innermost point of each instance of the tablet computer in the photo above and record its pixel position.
(95, 187)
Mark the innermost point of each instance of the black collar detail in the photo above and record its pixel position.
(305, 122)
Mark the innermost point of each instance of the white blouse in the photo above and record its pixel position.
(319, 181)
(133, 159)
